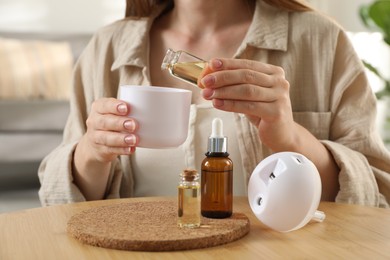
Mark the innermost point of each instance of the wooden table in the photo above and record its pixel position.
(349, 231)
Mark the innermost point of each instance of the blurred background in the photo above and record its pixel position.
(55, 33)
(74, 16)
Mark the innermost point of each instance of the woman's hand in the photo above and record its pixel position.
(258, 90)
(261, 92)
(109, 131)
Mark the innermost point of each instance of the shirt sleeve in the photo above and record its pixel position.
(55, 171)
(354, 142)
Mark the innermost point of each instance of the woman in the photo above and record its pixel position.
(285, 79)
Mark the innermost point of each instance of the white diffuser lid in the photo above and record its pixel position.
(284, 191)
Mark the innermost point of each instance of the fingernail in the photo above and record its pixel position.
(208, 81)
(129, 125)
(130, 139)
(129, 150)
(216, 63)
(218, 103)
(208, 93)
(122, 108)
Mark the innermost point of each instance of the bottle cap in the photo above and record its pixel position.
(217, 141)
(189, 174)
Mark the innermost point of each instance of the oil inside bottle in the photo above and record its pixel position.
(183, 65)
(189, 207)
(188, 71)
(217, 196)
(189, 201)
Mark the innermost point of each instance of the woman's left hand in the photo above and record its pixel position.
(256, 89)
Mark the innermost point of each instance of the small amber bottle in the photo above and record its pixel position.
(189, 199)
(217, 176)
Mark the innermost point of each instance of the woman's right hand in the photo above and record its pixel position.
(109, 131)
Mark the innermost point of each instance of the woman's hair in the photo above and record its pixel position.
(143, 8)
(290, 5)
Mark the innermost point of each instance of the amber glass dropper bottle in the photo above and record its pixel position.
(217, 176)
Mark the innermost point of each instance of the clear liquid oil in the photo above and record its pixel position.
(189, 206)
(188, 71)
(183, 65)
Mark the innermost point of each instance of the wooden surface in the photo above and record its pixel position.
(348, 232)
(151, 226)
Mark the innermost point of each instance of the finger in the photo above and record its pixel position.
(110, 106)
(267, 111)
(239, 76)
(233, 64)
(116, 150)
(221, 72)
(243, 92)
(112, 123)
(114, 139)
(206, 70)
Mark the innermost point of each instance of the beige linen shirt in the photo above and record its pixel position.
(330, 97)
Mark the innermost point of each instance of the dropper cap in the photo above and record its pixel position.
(217, 141)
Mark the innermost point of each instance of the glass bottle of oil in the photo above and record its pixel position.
(183, 65)
(217, 176)
(189, 199)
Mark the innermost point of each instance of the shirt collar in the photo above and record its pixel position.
(268, 30)
(133, 52)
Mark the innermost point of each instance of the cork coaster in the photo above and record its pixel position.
(151, 226)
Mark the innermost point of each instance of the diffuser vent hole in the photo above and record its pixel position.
(259, 201)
